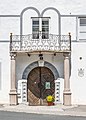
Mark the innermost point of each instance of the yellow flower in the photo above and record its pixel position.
(50, 98)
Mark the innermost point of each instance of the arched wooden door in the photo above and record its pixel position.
(40, 84)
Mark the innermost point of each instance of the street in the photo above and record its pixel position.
(4, 115)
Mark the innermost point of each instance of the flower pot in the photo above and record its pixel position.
(50, 103)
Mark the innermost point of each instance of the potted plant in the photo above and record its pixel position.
(50, 100)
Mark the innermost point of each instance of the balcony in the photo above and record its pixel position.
(26, 43)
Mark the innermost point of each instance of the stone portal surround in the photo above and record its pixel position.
(66, 92)
(35, 64)
(13, 91)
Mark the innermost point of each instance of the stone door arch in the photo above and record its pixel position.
(35, 64)
(48, 71)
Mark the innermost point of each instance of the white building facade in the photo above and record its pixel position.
(42, 51)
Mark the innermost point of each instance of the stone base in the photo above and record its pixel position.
(13, 97)
(67, 98)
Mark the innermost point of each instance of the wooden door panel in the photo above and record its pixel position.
(32, 99)
(37, 80)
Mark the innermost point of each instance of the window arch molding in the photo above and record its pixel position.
(59, 17)
(40, 15)
(50, 8)
(21, 16)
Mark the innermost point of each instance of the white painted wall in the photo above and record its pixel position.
(69, 24)
(78, 84)
(11, 24)
(5, 72)
(64, 6)
(15, 7)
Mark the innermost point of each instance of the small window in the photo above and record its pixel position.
(42, 25)
(82, 29)
(45, 28)
(35, 28)
(83, 22)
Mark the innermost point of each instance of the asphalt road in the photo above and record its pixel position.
(27, 116)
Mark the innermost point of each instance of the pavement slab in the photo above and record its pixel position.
(74, 110)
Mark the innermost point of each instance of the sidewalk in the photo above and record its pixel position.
(54, 110)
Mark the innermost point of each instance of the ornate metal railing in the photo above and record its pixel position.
(56, 43)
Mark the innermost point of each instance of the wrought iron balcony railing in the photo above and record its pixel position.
(54, 43)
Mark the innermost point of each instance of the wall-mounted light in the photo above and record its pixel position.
(28, 54)
(54, 54)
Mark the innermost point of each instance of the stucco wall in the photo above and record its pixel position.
(78, 80)
(9, 25)
(64, 6)
(68, 24)
(5, 73)
(15, 7)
